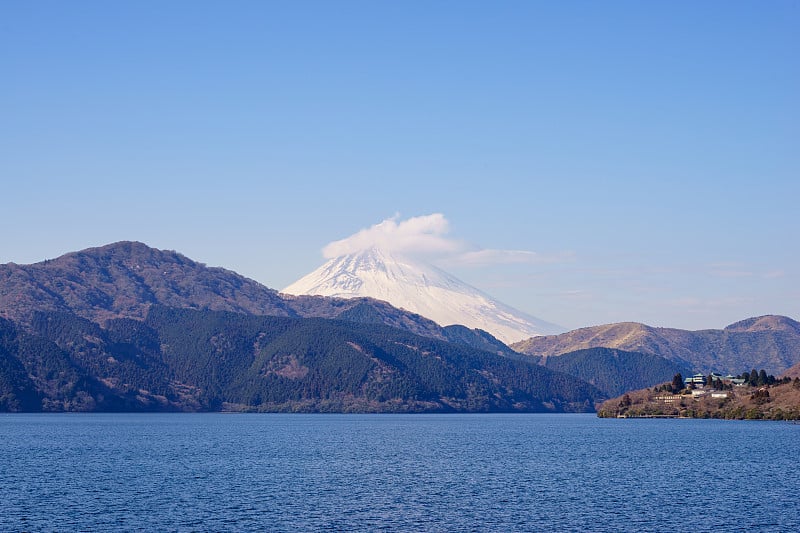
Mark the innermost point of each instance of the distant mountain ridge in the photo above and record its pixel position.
(77, 333)
(410, 284)
(124, 279)
(126, 327)
(770, 342)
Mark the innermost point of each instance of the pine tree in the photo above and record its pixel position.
(677, 383)
(626, 401)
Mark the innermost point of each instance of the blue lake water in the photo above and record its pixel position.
(214, 472)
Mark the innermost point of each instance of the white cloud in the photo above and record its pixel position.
(428, 235)
(424, 234)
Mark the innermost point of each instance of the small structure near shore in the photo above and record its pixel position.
(778, 401)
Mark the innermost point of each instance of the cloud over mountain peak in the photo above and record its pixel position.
(424, 234)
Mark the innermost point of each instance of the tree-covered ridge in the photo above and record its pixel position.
(190, 360)
(315, 362)
(770, 342)
(17, 390)
(122, 280)
(615, 371)
(125, 279)
(77, 339)
(41, 376)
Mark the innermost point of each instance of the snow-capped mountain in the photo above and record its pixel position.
(420, 288)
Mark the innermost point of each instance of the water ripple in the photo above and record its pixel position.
(425, 473)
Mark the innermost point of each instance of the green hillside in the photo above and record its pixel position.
(615, 371)
(191, 360)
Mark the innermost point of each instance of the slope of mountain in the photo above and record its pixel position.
(793, 372)
(630, 336)
(769, 323)
(364, 310)
(768, 342)
(122, 280)
(40, 375)
(371, 311)
(615, 371)
(126, 327)
(17, 390)
(192, 360)
(419, 288)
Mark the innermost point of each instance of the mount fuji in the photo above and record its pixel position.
(420, 288)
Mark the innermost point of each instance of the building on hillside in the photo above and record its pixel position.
(668, 398)
(697, 379)
(732, 380)
(700, 380)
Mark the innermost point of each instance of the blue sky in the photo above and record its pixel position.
(644, 154)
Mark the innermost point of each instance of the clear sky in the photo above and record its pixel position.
(640, 160)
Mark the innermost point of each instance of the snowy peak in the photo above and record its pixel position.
(348, 275)
(420, 288)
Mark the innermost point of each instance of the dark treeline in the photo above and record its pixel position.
(615, 371)
(190, 360)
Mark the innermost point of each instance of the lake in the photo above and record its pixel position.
(217, 472)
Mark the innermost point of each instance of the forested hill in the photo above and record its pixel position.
(193, 360)
(769, 342)
(124, 279)
(616, 371)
